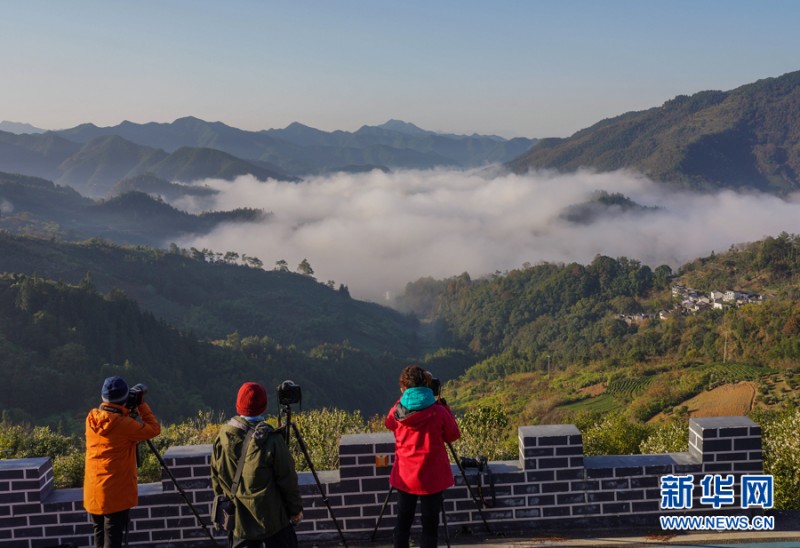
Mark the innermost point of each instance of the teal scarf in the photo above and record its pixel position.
(417, 398)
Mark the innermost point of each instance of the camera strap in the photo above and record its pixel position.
(240, 465)
(111, 409)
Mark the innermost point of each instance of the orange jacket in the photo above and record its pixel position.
(110, 480)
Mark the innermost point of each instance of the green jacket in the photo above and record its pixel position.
(268, 491)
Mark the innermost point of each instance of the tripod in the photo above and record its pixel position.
(444, 515)
(166, 469)
(287, 412)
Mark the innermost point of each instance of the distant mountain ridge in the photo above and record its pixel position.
(404, 127)
(95, 166)
(301, 150)
(19, 128)
(94, 159)
(747, 138)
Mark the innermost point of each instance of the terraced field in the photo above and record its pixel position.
(599, 404)
(627, 389)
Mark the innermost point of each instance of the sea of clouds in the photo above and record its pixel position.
(375, 232)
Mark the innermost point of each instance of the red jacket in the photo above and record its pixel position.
(421, 465)
(109, 483)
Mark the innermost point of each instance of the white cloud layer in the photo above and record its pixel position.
(376, 231)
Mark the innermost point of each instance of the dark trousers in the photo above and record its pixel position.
(109, 529)
(285, 538)
(406, 507)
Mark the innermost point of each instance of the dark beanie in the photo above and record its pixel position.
(115, 390)
(251, 400)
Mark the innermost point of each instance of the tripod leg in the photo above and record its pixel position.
(180, 490)
(304, 449)
(469, 487)
(383, 509)
(444, 522)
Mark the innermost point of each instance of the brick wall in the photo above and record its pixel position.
(551, 485)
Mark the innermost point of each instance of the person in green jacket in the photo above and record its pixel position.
(268, 502)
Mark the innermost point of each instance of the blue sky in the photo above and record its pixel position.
(513, 68)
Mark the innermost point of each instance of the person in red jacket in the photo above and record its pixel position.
(110, 487)
(422, 424)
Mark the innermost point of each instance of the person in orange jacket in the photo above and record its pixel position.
(110, 487)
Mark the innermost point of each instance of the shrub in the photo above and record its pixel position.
(321, 429)
(68, 470)
(485, 431)
(671, 437)
(614, 434)
(781, 446)
(67, 452)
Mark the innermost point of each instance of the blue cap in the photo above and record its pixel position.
(115, 390)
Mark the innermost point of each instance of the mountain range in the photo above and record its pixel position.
(17, 127)
(34, 206)
(514, 324)
(94, 167)
(746, 139)
(94, 159)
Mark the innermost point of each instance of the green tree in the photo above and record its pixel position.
(305, 269)
(662, 276)
(254, 262)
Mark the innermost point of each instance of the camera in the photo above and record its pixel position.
(136, 396)
(479, 463)
(436, 386)
(289, 393)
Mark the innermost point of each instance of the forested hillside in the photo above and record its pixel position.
(745, 138)
(29, 205)
(59, 341)
(611, 336)
(548, 341)
(605, 345)
(213, 294)
(95, 166)
(73, 313)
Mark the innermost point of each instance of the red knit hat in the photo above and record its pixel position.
(251, 400)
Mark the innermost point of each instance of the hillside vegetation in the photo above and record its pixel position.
(95, 166)
(215, 294)
(58, 341)
(557, 332)
(553, 343)
(33, 206)
(747, 138)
